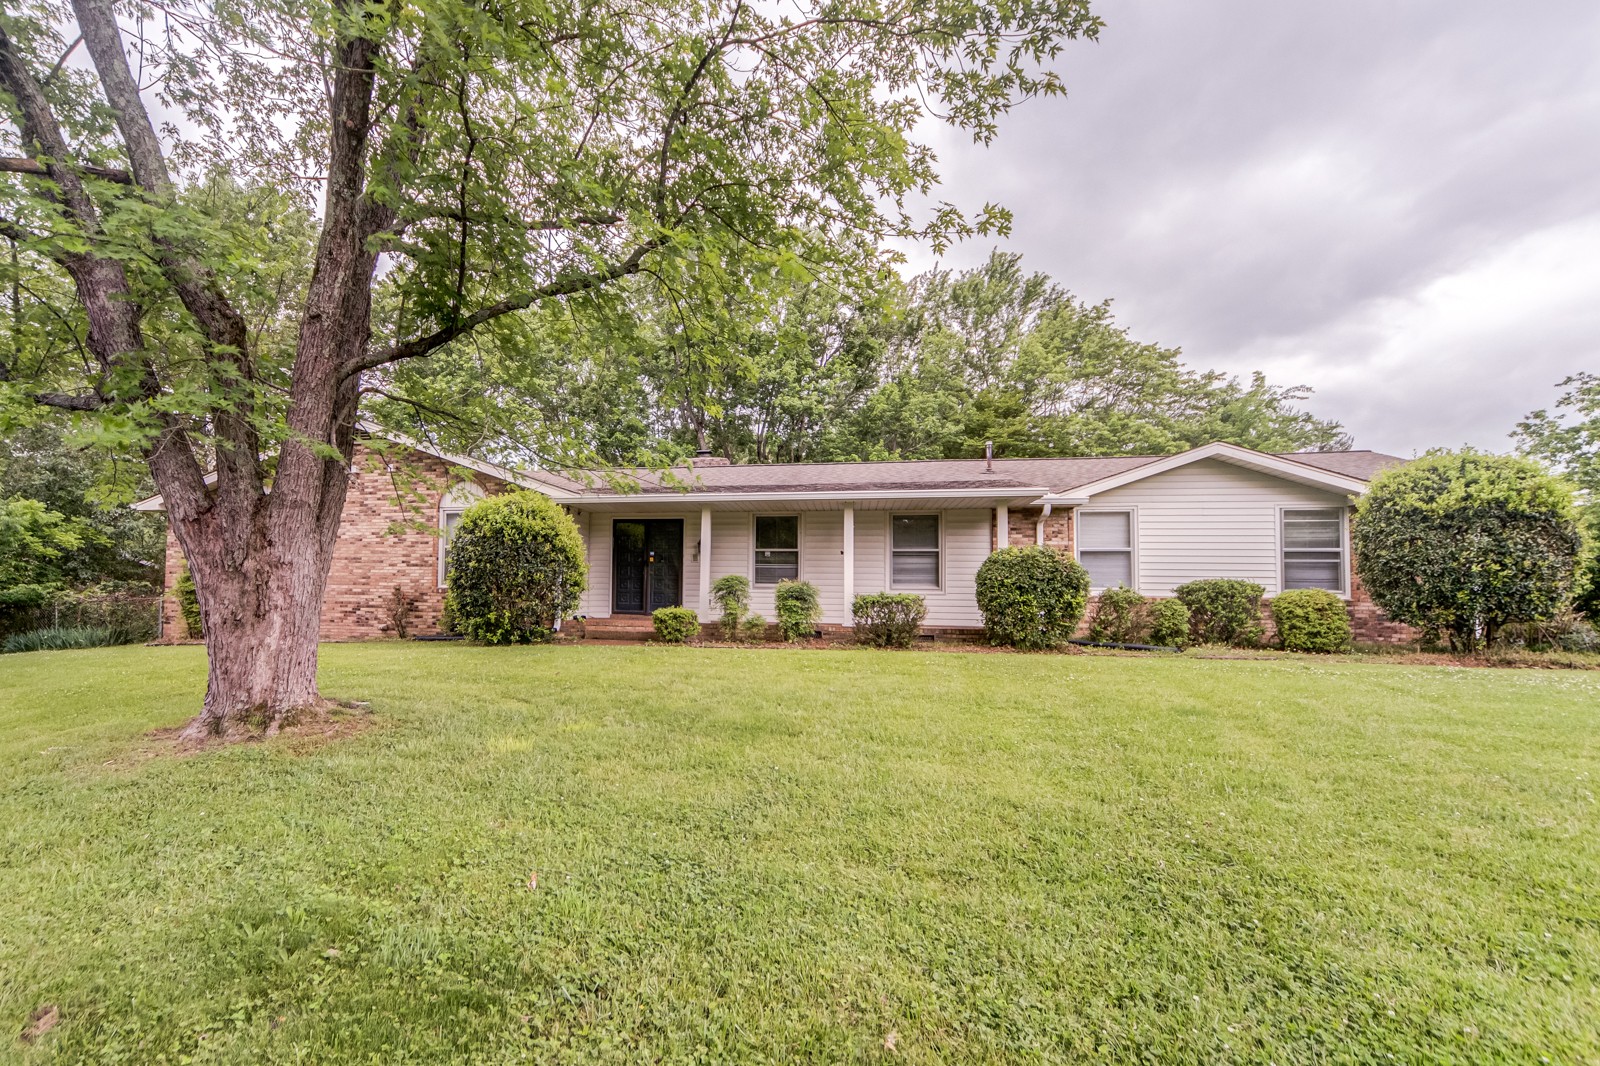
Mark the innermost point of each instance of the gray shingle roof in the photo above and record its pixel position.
(1057, 475)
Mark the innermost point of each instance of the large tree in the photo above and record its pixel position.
(480, 157)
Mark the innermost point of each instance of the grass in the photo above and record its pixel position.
(779, 856)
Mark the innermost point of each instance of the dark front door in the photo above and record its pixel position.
(646, 564)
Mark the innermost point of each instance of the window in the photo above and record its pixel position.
(914, 551)
(1105, 547)
(777, 548)
(448, 521)
(1313, 549)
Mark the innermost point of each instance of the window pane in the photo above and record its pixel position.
(916, 531)
(1313, 570)
(777, 531)
(775, 566)
(1099, 530)
(1108, 569)
(917, 569)
(1311, 529)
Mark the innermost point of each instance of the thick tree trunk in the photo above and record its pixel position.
(260, 569)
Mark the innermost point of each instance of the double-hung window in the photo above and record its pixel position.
(914, 551)
(1105, 547)
(1313, 549)
(777, 548)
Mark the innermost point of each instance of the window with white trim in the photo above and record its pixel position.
(448, 521)
(1313, 549)
(777, 548)
(914, 551)
(1105, 547)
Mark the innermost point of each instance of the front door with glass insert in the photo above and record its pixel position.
(646, 564)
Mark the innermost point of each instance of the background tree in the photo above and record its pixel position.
(1569, 440)
(1463, 543)
(783, 368)
(490, 156)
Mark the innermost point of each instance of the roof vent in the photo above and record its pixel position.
(988, 457)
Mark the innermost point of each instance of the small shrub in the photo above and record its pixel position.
(515, 567)
(798, 609)
(61, 638)
(1312, 620)
(1567, 631)
(754, 629)
(1223, 611)
(399, 609)
(731, 594)
(1169, 624)
(888, 619)
(189, 604)
(1120, 617)
(1031, 597)
(676, 625)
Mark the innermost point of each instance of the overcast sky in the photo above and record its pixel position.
(1395, 203)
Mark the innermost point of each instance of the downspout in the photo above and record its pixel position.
(1038, 527)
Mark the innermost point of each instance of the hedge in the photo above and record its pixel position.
(1031, 597)
(888, 619)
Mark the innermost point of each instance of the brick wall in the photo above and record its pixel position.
(386, 541)
(1022, 527)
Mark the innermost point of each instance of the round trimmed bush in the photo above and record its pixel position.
(1119, 617)
(676, 625)
(1312, 620)
(1223, 610)
(1031, 597)
(1169, 624)
(888, 619)
(1464, 543)
(515, 568)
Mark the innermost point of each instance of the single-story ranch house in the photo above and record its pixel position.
(1150, 522)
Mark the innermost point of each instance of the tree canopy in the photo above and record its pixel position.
(800, 369)
(1569, 439)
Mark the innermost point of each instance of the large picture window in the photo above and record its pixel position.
(1313, 549)
(1105, 547)
(777, 548)
(914, 551)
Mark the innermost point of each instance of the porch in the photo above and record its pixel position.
(651, 554)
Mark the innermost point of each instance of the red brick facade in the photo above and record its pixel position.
(388, 539)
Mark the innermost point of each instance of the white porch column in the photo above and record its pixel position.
(1002, 528)
(849, 581)
(705, 564)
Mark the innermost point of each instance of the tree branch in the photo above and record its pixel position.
(69, 401)
(567, 286)
(34, 168)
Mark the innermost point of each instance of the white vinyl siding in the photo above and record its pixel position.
(1211, 519)
(1105, 548)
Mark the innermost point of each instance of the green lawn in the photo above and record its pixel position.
(771, 856)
